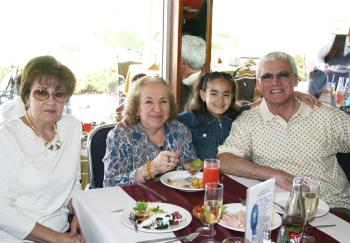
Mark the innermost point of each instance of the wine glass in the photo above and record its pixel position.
(198, 212)
(193, 166)
(311, 193)
(234, 240)
(213, 198)
(211, 170)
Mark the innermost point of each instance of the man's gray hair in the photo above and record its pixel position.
(194, 50)
(274, 56)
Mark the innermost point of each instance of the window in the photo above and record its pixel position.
(245, 30)
(90, 37)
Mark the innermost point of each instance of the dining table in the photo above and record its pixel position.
(99, 212)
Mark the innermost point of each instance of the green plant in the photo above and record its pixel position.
(300, 61)
(103, 81)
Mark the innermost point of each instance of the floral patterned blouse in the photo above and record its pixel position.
(130, 148)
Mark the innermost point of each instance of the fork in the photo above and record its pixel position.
(243, 202)
(117, 210)
(132, 217)
(280, 206)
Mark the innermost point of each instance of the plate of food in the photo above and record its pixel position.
(281, 198)
(183, 181)
(156, 217)
(234, 217)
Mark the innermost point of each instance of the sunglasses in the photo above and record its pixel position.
(43, 94)
(280, 76)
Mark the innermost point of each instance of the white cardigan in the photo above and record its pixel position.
(36, 183)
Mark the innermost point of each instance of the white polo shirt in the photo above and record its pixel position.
(305, 145)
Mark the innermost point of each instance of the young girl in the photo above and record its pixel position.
(210, 112)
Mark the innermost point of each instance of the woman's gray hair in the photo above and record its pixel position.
(274, 56)
(132, 102)
(193, 49)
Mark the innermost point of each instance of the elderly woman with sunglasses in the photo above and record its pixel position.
(39, 159)
(153, 143)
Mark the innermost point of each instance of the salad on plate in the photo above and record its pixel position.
(155, 217)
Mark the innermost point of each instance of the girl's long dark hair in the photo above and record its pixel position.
(337, 47)
(197, 105)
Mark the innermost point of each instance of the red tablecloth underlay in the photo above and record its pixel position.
(233, 191)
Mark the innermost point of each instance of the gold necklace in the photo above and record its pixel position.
(49, 145)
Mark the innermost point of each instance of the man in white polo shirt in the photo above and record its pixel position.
(283, 137)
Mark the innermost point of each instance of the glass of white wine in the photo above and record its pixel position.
(213, 199)
(311, 194)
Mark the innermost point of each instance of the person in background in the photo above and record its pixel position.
(154, 141)
(13, 108)
(211, 111)
(194, 17)
(283, 137)
(120, 108)
(193, 56)
(318, 87)
(40, 159)
(334, 58)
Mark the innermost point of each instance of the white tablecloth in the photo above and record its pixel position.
(340, 232)
(99, 224)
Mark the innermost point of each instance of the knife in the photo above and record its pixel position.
(153, 191)
(323, 225)
(188, 237)
(162, 239)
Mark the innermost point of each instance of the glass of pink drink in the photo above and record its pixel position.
(211, 171)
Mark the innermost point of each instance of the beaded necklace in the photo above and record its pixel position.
(49, 145)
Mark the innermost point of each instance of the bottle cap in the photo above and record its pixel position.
(267, 235)
(298, 179)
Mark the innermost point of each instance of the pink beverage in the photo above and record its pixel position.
(211, 171)
(340, 92)
(340, 97)
(88, 127)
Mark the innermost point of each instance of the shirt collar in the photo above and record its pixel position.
(212, 118)
(347, 46)
(303, 111)
(189, 80)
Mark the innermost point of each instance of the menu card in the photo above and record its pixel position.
(259, 210)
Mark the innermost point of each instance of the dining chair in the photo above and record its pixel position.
(96, 149)
(245, 81)
(344, 162)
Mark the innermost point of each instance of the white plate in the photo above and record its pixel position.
(180, 175)
(169, 208)
(282, 197)
(236, 207)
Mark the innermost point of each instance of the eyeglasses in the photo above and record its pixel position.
(43, 94)
(280, 76)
